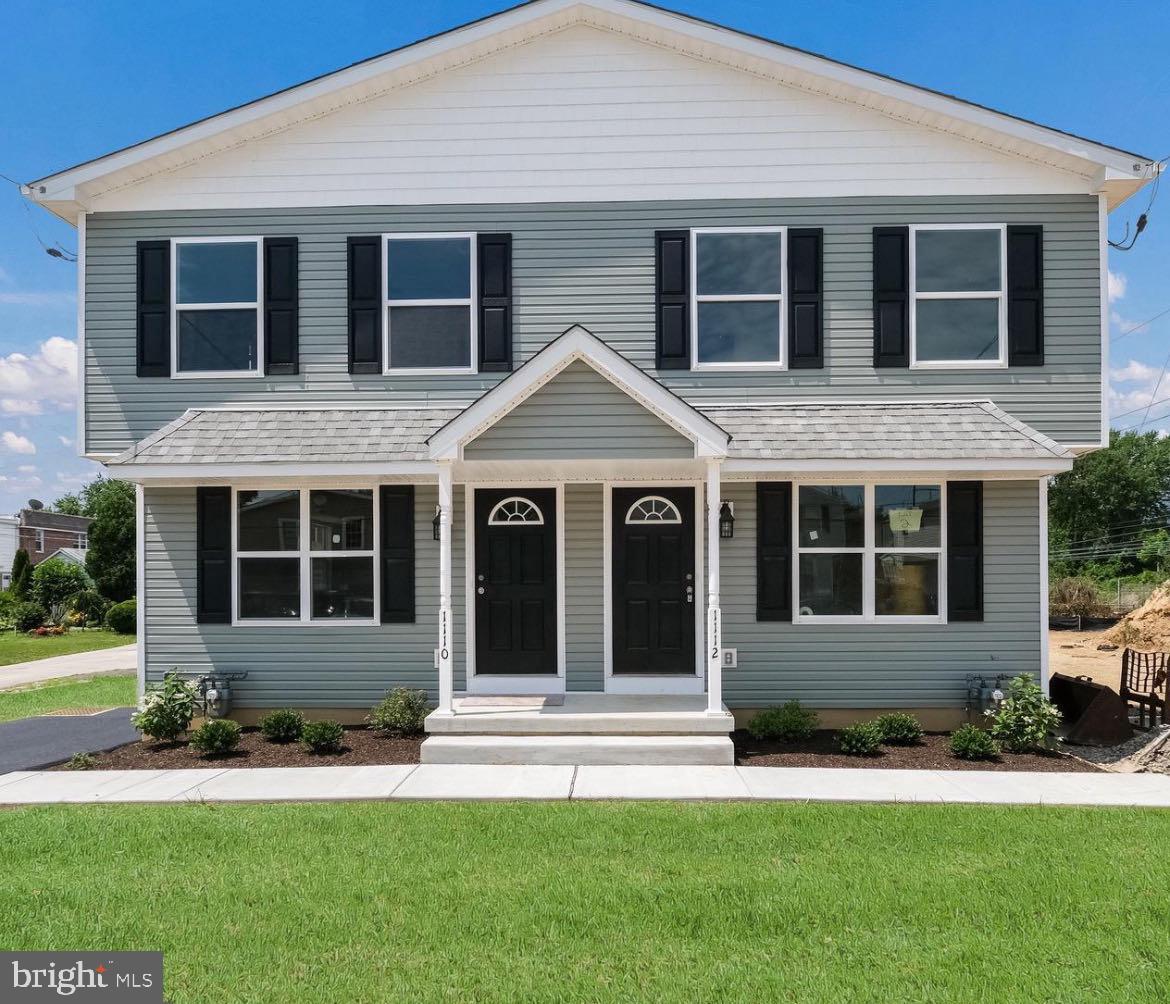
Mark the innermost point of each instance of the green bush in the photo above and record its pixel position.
(1025, 719)
(788, 722)
(122, 618)
(81, 761)
(860, 739)
(323, 737)
(898, 729)
(91, 606)
(20, 581)
(282, 726)
(216, 736)
(969, 742)
(56, 582)
(400, 713)
(28, 616)
(167, 710)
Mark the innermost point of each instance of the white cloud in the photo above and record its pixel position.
(1116, 286)
(1134, 372)
(27, 468)
(65, 440)
(17, 444)
(49, 377)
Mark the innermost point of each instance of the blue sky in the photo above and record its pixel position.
(83, 77)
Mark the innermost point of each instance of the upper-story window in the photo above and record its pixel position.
(39, 540)
(737, 308)
(216, 287)
(429, 291)
(959, 305)
(82, 540)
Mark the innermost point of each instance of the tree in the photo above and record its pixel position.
(110, 559)
(21, 579)
(1154, 550)
(69, 505)
(56, 581)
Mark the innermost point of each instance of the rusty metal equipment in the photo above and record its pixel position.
(1093, 714)
(1144, 683)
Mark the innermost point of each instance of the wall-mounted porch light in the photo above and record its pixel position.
(727, 520)
(437, 522)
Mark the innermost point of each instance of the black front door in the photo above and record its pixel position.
(653, 580)
(515, 581)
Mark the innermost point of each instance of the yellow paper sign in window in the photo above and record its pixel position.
(905, 520)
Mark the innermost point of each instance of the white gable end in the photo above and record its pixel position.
(585, 113)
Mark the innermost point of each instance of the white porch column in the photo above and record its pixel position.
(446, 634)
(714, 615)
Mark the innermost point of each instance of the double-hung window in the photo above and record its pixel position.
(958, 311)
(216, 288)
(737, 304)
(305, 555)
(429, 293)
(869, 553)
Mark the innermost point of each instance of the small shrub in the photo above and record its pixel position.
(216, 736)
(282, 726)
(29, 616)
(860, 739)
(1076, 597)
(90, 607)
(897, 729)
(81, 761)
(788, 722)
(1025, 719)
(323, 737)
(167, 710)
(122, 618)
(969, 742)
(400, 713)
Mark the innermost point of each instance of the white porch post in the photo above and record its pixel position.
(714, 616)
(446, 635)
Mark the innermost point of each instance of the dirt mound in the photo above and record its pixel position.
(1146, 627)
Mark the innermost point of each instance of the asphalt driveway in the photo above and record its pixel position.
(31, 743)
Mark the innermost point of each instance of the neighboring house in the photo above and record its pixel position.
(9, 537)
(70, 555)
(43, 533)
(594, 349)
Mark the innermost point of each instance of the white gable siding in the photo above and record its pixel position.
(590, 114)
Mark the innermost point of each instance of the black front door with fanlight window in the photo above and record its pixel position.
(515, 581)
(653, 581)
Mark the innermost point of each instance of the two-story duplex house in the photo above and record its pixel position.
(595, 353)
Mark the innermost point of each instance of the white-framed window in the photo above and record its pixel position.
(652, 509)
(958, 295)
(869, 553)
(515, 511)
(429, 290)
(82, 540)
(738, 280)
(216, 320)
(304, 555)
(39, 540)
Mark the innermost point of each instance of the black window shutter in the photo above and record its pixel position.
(773, 551)
(281, 306)
(154, 308)
(1025, 292)
(397, 515)
(495, 303)
(365, 304)
(213, 555)
(891, 296)
(672, 269)
(965, 550)
(805, 299)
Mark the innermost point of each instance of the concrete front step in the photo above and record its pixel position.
(580, 750)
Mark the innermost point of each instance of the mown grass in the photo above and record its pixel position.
(603, 902)
(18, 647)
(108, 691)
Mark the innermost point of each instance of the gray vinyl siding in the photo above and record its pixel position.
(593, 264)
(579, 414)
(584, 597)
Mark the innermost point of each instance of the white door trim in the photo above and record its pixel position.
(527, 683)
(688, 683)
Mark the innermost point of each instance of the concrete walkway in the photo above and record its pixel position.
(104, 660)
(489, 782)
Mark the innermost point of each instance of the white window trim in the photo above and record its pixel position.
(257, 304)
(781, 298)
(82, 541)
(39, 540)
(304, 554)
(1000, 362)
(675, 517)
(539, 521)
(868, 554)
(469, 302)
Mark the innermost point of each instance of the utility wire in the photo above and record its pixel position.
(55, 250)
(1130, 331)
(1126, 241)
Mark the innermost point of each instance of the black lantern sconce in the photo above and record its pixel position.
(726, 520)
(437, 522)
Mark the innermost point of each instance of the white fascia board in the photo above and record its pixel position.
(194, 473)
(1023, 468)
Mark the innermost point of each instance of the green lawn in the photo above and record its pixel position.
(99, 692)
(380, 902)
(26, 648)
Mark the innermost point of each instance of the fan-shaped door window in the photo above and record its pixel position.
(652, 509)
(516, 511)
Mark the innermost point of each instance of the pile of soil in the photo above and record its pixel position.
(1148, 626)
(361, 747)
(932, 754)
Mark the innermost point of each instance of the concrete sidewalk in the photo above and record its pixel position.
(122, 659)
(490, 782)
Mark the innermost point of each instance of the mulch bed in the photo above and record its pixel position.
(362, 747)
(933, 754)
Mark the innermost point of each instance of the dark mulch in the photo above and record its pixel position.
(933, 754)
(362, 747)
